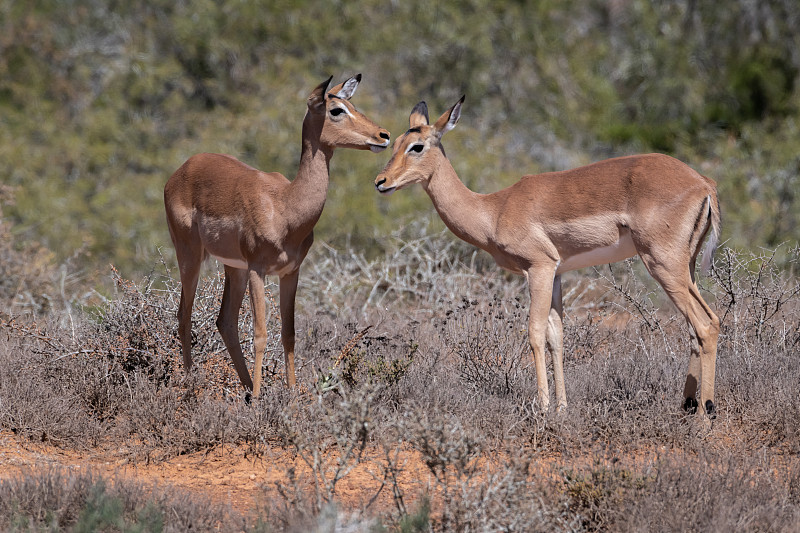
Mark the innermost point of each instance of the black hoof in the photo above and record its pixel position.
(248, 397)
(711, 409)
(690, 405)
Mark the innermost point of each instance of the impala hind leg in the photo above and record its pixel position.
(555, 340)
(540, 284)
(258, 307)
(703, 328)
(692, 384)
(707, 340)
(288, 284)
(228, 320)
(189, 263)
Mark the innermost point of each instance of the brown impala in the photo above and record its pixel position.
(258, 223)
(547, 224)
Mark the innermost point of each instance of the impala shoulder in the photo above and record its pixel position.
(663, 162)
(514, 224)
(210, 160)
(273, 178)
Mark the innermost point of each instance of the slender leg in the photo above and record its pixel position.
(259, 309)
(708, 337)
(189, 262)
(676, 280)
(288, 285)
(228, 320)
(555, 336)
(188, 288)
(540, 283)
(693, 375)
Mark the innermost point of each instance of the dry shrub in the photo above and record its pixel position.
(705, 492)
(139, 329)
(470, 487)
(119, 374)
(757, 299)
(47, 393)
(490, 344)
(417, 275)
(57, 499)
(441, 365)
(329, 433)
(759, 309)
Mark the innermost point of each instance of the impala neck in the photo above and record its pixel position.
(466, 213)
(308, 190)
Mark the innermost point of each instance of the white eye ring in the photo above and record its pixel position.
(416, 147)
(338, 111)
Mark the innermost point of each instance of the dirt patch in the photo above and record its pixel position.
(227, 475)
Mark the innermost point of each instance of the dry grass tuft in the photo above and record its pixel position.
(424, 351)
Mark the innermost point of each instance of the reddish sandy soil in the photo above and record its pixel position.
(229, 476)
(225, 475)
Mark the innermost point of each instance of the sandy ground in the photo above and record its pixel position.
(226, 475)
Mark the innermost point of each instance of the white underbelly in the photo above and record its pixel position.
(279, 270)
(235, 263)
(620, 250)
(282, 270)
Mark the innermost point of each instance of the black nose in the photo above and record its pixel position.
(384, 135)
(381, 182)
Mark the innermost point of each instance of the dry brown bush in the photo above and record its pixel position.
(423, 351)
(56, 500)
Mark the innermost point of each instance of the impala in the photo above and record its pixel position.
(257, 223)
(547, 224)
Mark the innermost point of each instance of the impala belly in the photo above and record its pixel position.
(220, 237)
(235, 263)
(282, 270)
(622, 249)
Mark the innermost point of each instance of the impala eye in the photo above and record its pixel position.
(416, 148)
(336, 111)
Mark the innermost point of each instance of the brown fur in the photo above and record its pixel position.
(259, 223)
(652, 205)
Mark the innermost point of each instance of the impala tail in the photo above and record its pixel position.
(713, 238)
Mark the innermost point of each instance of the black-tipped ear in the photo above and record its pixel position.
(347, 88)
(419, 115)
(317, 97)
(449, 118)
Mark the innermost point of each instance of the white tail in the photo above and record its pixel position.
(713, 238)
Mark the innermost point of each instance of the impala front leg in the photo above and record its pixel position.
(259, 308)
(228, 320)
(555, 336)
(540, 283)
(288, 291)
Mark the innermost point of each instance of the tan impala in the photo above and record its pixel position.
(258, 223)
(547, 224)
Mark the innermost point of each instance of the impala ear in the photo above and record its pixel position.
(449, 118)
(347, 88)
(317, 97)
(419, 115)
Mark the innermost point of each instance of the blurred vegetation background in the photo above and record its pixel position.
(101, 100)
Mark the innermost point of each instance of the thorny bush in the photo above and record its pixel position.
(428, 355)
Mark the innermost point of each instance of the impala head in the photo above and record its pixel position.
(418, 152)
(343, 126)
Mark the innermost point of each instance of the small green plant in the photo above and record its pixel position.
(417, 521)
